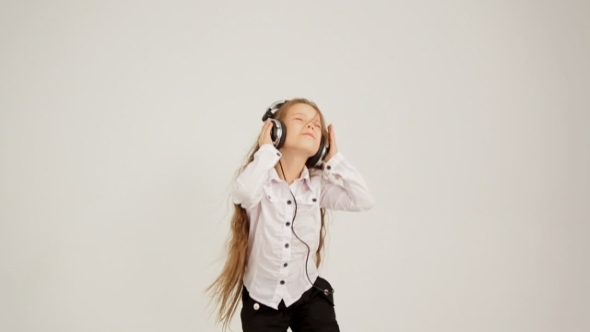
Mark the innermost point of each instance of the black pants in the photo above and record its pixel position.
(313, 312)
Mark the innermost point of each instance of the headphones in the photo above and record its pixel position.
(279, 135)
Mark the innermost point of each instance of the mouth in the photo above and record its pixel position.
(309, 134)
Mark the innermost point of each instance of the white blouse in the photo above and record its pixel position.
(275, 267)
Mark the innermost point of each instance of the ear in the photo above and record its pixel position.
(278, 133)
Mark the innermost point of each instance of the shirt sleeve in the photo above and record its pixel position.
(248, 190)
(343, 188)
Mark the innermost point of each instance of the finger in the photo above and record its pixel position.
(331, 130)
(268, 128)
(265, 126)
(263, 130)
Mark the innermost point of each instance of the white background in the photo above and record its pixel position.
(122, 123)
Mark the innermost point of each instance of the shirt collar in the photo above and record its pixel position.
(305, 176)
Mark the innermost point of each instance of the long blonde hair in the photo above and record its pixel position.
(226, 289)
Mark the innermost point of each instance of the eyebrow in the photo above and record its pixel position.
(296, 113)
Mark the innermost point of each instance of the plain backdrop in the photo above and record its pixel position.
(122, 124)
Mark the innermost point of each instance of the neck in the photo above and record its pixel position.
(292, 166)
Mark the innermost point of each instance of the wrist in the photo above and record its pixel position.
(333, 160)
(269, 149)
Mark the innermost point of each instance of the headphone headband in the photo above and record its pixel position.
(269, 114)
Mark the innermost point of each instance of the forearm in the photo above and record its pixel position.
(344, 186)
(248, 184)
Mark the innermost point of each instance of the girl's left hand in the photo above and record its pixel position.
(332, 143)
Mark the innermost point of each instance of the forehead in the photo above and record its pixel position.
(303, 109)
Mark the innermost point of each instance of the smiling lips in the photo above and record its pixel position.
(309, 134)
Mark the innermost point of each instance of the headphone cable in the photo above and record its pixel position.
(325, 291)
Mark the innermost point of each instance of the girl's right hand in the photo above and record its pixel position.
(265, 137)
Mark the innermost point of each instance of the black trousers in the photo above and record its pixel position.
(313, 312)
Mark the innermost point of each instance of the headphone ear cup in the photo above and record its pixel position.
(278, 133)
(316, 160)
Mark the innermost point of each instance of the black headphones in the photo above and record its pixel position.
(279, 135)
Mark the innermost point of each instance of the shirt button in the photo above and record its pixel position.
(278, 154)
(328, 167)
(285, 265)
(286, 245)
(289, 202)
(314, 200)
(256, 306)
(282, 282)
(288, 224)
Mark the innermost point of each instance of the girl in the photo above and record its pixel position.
(292, 175)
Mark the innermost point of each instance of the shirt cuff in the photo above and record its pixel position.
(333, 162)
(331, 167)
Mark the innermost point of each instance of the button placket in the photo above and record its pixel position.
(286, 241)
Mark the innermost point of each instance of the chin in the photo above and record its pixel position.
(311, 151)
(305, 147)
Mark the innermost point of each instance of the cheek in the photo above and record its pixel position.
(293, 132)
(317, 141)
(294, 128)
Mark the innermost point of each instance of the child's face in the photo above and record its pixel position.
(304, 129)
